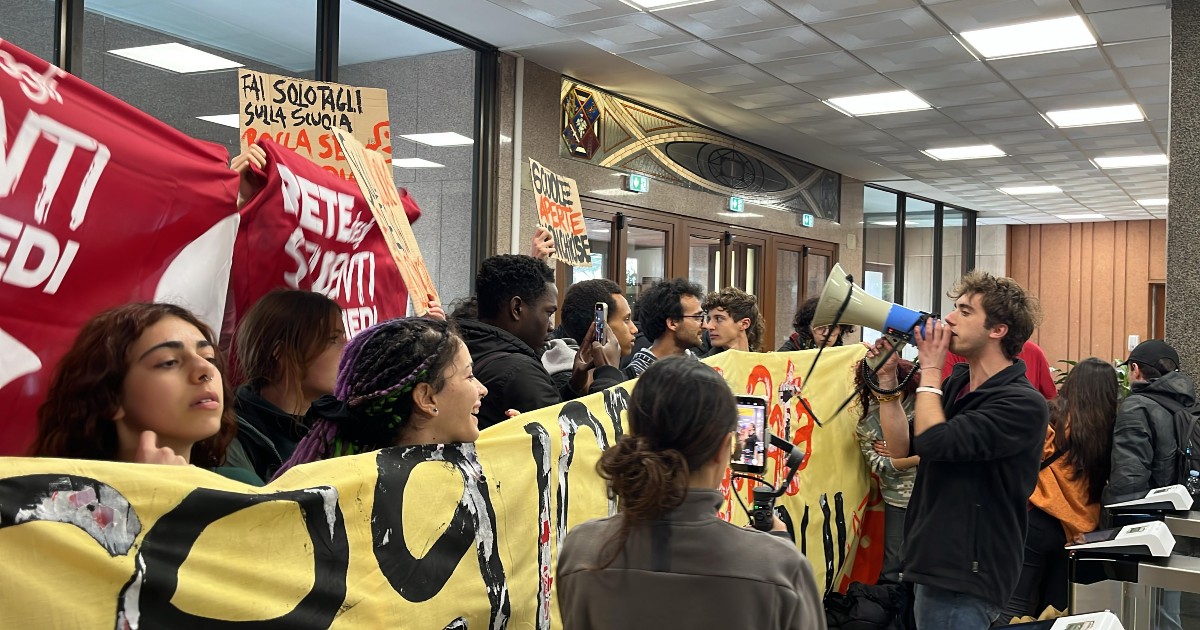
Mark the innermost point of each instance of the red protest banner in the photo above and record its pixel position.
(100, 205)
(309, 229)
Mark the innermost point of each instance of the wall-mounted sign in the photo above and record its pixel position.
(637, 183)
(806, 220)
(737, 204)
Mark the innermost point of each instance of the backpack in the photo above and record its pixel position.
(867, 607)
(1187, 434)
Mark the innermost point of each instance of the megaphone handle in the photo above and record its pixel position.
(898, 343)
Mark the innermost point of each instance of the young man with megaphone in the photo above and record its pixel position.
(980, 435)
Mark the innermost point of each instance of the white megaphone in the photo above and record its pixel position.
(842, 302)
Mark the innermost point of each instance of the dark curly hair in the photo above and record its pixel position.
(1004, 302)
(679, 413)
(740, 305)
(372, 402)
(661, 302)
(579, 305)
(802, 325)
(76, 421)
(503, 277)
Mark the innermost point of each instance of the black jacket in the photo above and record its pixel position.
(266, 435)
(965, 526)
(1143, 450)
(514, 375)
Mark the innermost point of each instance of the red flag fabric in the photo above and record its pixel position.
(100, 205)
(308, 229)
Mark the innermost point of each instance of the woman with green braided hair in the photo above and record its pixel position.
(401, 382)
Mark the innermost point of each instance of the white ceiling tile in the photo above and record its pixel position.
(925, 53)
(1051, 64)
(776, 44)
(1142, 142)
(970, 95)
(1148, 52)
(922, 117)
(1007, 125)
(793, 113)
(813, 11)
(1078, 101)
(1147, 76)
(682, 58)
(559, 14)
(969, 73)
(850, 86)
(1103, 131)
(1095, 6)
(757, 98)
(626, 33)
(1151, 95)
(733, 78)
(1064, 84)
(723, 18)
(816, 67)
(984, 111)
(1044, 146)
(969, 15)
(1132, 24)
(878, 29)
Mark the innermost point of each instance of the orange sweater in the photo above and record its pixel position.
(1063, 497)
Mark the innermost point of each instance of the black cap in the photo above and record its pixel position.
(1151, 352)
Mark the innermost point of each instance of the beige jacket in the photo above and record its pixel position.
(687, 570)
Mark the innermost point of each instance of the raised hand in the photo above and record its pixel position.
(148, 452)
(542, 245)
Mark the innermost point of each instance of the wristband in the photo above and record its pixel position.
(886, 398)
(929, 390)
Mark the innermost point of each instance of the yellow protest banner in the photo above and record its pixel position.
(301, 115)
(560, 211)
(416, 537)
(374, 178)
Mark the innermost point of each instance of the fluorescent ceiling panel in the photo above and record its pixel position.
(1031, 37)
(442, 139)
(652, 5)
(176, 58)
(880, 103)
(225, 120)
(1131, 161)
(1030, 190)
(1096, 116)
(414, 163)
(965, 153)
(1146, 203)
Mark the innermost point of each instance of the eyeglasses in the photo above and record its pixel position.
(823, 330)
(701, 317)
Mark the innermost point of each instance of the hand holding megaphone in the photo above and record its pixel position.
(932, 341)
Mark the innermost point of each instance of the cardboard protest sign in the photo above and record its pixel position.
(560, 211)
(100, 205)
(301, 115)
(309, 229)
(426, 536)
(374, 178)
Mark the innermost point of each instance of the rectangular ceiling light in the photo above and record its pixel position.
(881, 103)
(443, 139)
(1146, 203)
(965, 153)
(1096, 116)
(652, 5)
(176, 58)
(1131, 161)
(225, 120)
(414, 163)
(1031, 37)
(1030, 190)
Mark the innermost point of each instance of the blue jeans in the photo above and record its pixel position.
(939, 609)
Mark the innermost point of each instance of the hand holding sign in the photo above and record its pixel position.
(560, 212)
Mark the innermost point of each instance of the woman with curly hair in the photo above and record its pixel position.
(666, 560)
(142, 383)
(404, 381)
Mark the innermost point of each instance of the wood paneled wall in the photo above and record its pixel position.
(1093, 280)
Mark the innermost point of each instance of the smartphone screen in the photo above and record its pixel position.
(750, 439)
(601, 322)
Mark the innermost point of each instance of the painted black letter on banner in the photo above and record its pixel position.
(473, 524)
(541, 459)
(93, 506)
(145, 601)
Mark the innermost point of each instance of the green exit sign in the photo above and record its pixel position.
(638, 183)
(806, 220)
(737, 204)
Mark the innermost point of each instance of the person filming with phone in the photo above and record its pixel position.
(666, 560)
(979, 435)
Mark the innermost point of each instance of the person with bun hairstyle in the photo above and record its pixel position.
(141, 383)
(400, 382)
(666, 560)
